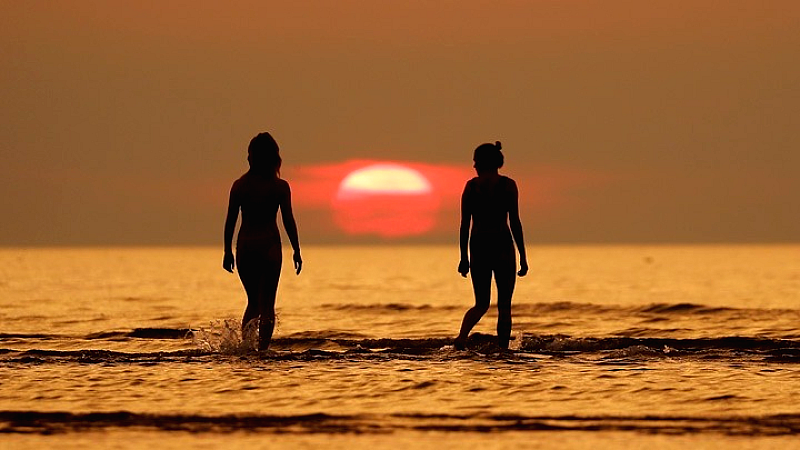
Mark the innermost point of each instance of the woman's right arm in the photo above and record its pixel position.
(230, 226)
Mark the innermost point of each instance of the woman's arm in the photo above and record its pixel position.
(463, 232)
(516, 228)
(230, 226)
(290, 225)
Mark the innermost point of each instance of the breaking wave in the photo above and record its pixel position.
(225, 341)
(39, 422)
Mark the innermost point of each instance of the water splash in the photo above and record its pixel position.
(225, 336)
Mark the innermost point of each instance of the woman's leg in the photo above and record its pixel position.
(249, 276)
(260, 270)
(482, 288)
(506, 279)
(268, 292)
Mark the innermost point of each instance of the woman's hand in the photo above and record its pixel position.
(298, 262)
(463, 267)
(523, 268)
(228, 262)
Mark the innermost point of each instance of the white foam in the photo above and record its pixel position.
(225, 336)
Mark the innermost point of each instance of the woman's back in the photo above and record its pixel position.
(488, 198)
(259, 198)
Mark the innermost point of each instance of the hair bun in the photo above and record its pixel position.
(497, 145)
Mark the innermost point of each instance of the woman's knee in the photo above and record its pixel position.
(481, 307)
(504, 312)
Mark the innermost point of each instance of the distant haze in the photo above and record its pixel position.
(622, 121)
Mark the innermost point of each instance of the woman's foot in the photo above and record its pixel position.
(266, 354)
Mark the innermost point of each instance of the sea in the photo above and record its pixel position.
(614, 346)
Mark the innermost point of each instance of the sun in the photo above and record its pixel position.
(389, 200)
(383, 178)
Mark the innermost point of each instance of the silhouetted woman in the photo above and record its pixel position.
(490, 202)
(259, 194)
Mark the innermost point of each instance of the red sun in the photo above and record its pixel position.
(385, 199)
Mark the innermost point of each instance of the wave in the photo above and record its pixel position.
(144, 333)
(136, 333)
(683, 308)
(556, 307)
(543, 316)
(325, 334)
(387, 307)
(38, 356)
(41, 422)
(7, 336)
(556, 343)
(313, 346)
(519, 308)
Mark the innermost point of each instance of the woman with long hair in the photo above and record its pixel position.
(258, 194)
(491, 203)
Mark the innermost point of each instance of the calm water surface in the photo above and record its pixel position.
(659, 346)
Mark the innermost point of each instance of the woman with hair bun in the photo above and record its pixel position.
(259, 194)
(490, 202)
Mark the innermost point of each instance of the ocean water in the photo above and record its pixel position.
(614, 346)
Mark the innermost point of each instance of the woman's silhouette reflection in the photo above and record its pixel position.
(259, 194)
(490, 202)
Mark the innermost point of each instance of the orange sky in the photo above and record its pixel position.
(623, 121)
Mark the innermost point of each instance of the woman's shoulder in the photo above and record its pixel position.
(250, 181)
(508, 181)
(471, 184)
(504, 180)
(237, 183)
(282, 184)
(472, 181)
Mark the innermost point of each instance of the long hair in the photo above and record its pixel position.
(488, 156)
(263, 154)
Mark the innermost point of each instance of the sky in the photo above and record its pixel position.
(125, 123)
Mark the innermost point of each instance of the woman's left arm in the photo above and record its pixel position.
(290, 225)
(516, 228)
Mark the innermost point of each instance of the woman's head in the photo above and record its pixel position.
(488, 157)
(263, 154)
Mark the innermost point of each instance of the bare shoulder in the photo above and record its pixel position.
(282, 184)
(284, 191)
(512, 185)
(239, 183)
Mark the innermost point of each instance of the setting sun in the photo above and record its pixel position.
(384, 178)
(389, 200)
